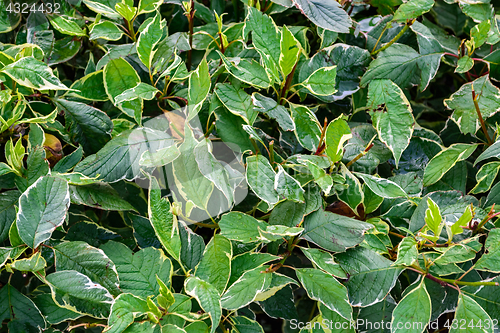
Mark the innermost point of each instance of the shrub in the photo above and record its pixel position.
(249, 166)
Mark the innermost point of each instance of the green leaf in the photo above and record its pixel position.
(148, 40)
(353, 195)
(77, 292)
(307, 128)
(371, 276)
(445, 160)
(34, 263)
(147, 6)
(392, 115)
(7, 211)
(465, 114)
(9, 20)
(266, 40)
(289, 51)
(119, 158)
(414, 308)
(270, 107)
(163, 221)
(88, 260)
(199, 86)
(66, 26)
(142, 91)
(433, 217)
(382, 187)
(42, 208)
(212, 169)
(33, 73)
(189, 181)
(324, 261)
(119, 76)
(491, 151)
(106, 30)
(322, 81)
(464, 64)
(207, 296)
(230, 130)
(87, 125)
(124, 310)
(466, 217)
(480, 33)
(248, 261)
(240, 227)
(326, 14)
(485, 177)
(53, 313)
(337, 133)
(159, 158)
(488, 262)
(323, 287)
(22, 313)
(106, 8)
(215, 266)
(192, 247)
(260, 177)
(333, 232)
(288, 187)
(250, 72)
(128, 12)
(246, 325)
(90, 87)
(137, 271)
(324, 181)
(470, 312)
(412, 9)
(246, 289)
(278, 232)
(237, 101)
(407, 252)
(402, 65)
(99, 195)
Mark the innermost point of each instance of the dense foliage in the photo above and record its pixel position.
(249, 166)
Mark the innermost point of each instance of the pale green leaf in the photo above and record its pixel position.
(215, 266)
(207, 296)
(77, 292)
(246, 289)
(414, 308)
(392, 115)
(333, 232)
(327, 14)
(163, 221)
(137, 271)
(337, 133)
(88, 260)
(106, 30)
(42, 208)
(323, 287)
(322, 81)
(465, 114)
(33, 73)
(443, 161)
(260, 177)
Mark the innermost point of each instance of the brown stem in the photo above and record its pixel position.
(190, 17)
(363, 153)
(321, 146)
(483, 125)
(287, 85)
